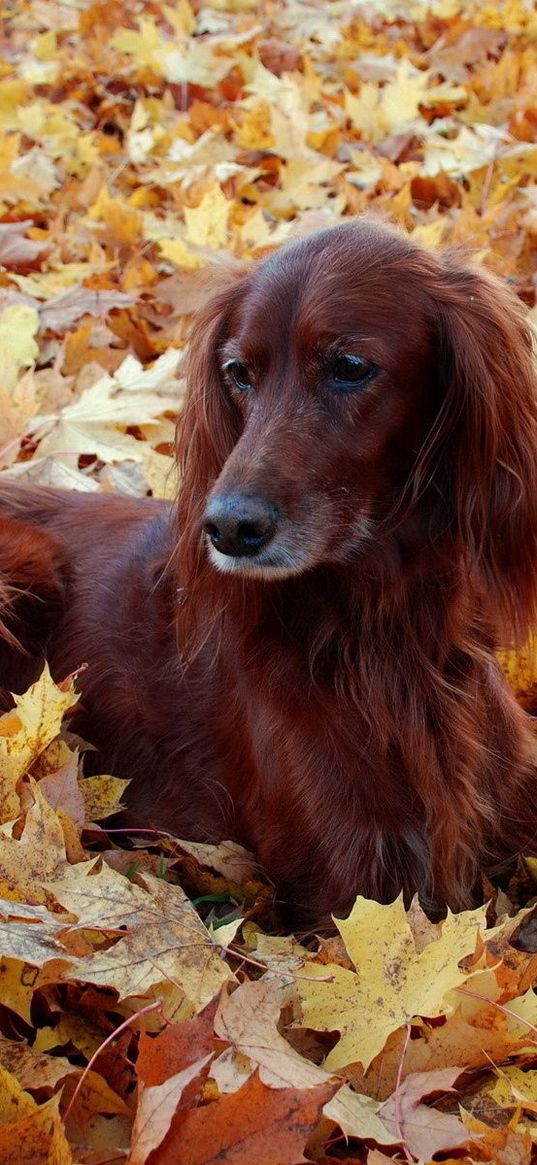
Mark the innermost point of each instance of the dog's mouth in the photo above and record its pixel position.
(270, 562)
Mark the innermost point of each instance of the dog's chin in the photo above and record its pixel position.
(268, 564)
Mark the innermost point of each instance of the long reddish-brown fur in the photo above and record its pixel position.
(333, 699)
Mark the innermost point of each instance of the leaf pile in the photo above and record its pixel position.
(145, 1014)
(131, 1030)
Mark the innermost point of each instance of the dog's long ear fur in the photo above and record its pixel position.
(485, 440)
(32, 598)
(207, 432)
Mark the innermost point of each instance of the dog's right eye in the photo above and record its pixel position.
(239, 375)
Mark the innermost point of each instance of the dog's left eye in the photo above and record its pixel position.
(239, 375)
(349, 372)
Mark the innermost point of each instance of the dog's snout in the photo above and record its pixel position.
(240, 524)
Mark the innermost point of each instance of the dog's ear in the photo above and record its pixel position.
(32, 600)
(483, 448)
(210, 423)
(208, 429)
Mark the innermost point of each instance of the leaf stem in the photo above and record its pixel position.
(117, 1031)
(397, 1099)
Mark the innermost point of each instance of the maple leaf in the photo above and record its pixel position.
(248, 1019)
(18, 326)
(15, 248)
(207, 224)
(39, 854)
(425, 1130)
(26, 731)
(95, 422)
(268, 1126)
(392, 982)
(157, 1106)
(165, 941)
(101, 796)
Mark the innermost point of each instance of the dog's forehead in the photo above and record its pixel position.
(340, 283)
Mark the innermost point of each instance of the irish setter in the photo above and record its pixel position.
(300, 654)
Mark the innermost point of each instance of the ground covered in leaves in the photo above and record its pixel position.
(146, 1014)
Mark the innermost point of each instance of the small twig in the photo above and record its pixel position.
(135, 829)
(500, 1006)
(397, 1099)
(485, 190)
(117, 1031)
(263, 967)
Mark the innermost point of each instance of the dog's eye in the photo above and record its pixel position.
(238, 374)
(347, 372)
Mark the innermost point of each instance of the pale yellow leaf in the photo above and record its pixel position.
(19, 324)
(165, 940)
(39, 854)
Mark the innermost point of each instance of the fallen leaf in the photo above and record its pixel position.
(425, 1130)
(26, 863)
(165, 941)
(36, 1139)
(102, 796)
(392, 983)
(18, 327)
(15, 248)
(157, 1106)
(256, 1124)
(176, 1047)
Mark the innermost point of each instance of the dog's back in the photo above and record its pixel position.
(56, 545)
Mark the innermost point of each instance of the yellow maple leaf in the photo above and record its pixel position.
(122, 221)
(102, 796)
(25, 733)
(144, 43)
(207, 224)
(178, 253)
(39, 854)
(393, 982)
(165, 941)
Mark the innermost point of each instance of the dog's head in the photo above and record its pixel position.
(352, 386)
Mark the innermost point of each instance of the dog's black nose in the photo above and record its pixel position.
(240, 524)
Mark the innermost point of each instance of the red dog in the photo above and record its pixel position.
(301, 657)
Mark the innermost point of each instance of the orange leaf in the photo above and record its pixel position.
(177, 1046)
(256, 1124)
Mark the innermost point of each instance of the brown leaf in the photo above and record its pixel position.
(37, 1139)
(62, 311)
(157, 1106)
(62, 790)
(15, 249)
(176, 1048)
(256, 1124)
(425, 1130)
